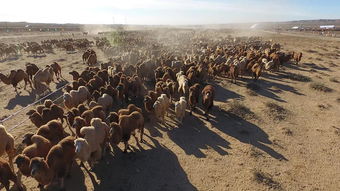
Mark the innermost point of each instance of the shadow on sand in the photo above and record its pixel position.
(244, 131)
(21, 100)
(157, 168)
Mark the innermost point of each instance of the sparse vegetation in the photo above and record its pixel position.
(337, 130)
(333, 79)
(276, 112)
(256, 153)
(287, 131)
(323, 48)
(311, 51)
(298, 77)
(251, 92)
(266, 179)
(237, 108)
(320, 87)
(338, 100)
(3, 117)
(331, 64)
(324, 107)
(117, 38)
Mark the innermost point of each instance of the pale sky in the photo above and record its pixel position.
(166, 11)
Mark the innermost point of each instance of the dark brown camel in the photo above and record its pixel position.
(15, 77)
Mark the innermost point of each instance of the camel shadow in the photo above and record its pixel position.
(75, 182)
(60, 60)
(271, 89)
(156, 168)
(57, 94)
(71, 52)
(223, 94)
(244, 131)
(20, 100)
(193, 135)
(37, 56)
(316, 67)
(295, 67)
(12, 58)
(77, 179)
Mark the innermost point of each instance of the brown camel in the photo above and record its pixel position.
(15, 77)
(31, 69)
(57, 70)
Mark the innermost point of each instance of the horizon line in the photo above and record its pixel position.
(248, 22)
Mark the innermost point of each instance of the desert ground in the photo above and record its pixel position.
(279, 134)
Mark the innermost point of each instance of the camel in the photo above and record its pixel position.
(57, 70)
(31, 69)
(89, 57)
(15, 77)
(91, 60)
(86, 55)
(43, 75)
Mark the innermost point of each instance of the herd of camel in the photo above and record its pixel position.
(180, 72)
(39, 79)
(33, 76)
(35, 49)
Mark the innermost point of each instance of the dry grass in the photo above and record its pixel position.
(276, 112)
(251, 92)
(256, 153)
(237, 108)
(324, 107)
(333, 79)
(266, 179)
(331, 64)
(320, 87)
(336, 130)
(3, 117)
(287, 131)
(338, 100)
(311, 51)
(323, 48)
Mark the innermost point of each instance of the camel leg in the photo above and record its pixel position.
(10, 159)
(126, 146)
(25, 80)
(70, 127)
(141, 135)
(29, 81)
(72, 132)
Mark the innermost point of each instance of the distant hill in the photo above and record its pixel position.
(302, 23)
(25, 26)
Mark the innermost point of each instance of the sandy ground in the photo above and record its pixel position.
(297, 148)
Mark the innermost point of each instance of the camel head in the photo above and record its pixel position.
(5, 79)
(12, 74)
